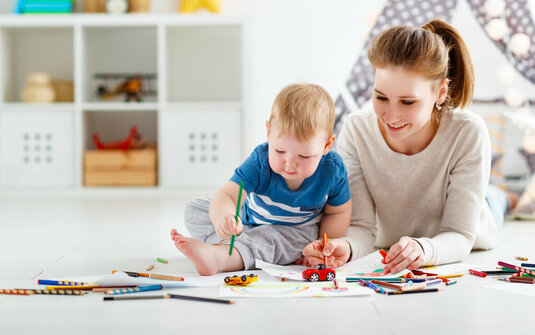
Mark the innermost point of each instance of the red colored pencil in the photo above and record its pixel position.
(383, 253)
(477, 273)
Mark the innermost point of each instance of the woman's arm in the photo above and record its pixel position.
(363, 229)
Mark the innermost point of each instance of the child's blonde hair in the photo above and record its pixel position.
(435, 50)
(303, 109)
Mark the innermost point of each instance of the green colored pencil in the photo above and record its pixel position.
(237, 214)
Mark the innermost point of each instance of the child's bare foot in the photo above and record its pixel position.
(513, 200)
(208, 259)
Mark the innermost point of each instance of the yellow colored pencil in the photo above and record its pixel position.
(73, 287)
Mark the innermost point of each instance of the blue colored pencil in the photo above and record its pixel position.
(528, 265)
(60, 282)
(134, 289)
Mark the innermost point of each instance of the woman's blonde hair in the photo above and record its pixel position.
(303, 109)
(435, 51)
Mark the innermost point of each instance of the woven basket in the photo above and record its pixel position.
(94, 6)
(139, 6)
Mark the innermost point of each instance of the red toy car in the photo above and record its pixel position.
(319, 272)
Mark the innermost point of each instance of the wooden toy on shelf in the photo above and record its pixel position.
(38, 88)
(132, 141)
(129, 84)
(190, 6)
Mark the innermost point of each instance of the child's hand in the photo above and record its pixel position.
(406, 254)
(337, 250)
(226, 226)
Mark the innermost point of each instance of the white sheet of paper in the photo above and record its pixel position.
(293, 290)
(293, 272)
(516, 288)
(366, 267)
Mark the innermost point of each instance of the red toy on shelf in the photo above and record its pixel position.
(133, 141)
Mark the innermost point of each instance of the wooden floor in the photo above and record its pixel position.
(62, 236)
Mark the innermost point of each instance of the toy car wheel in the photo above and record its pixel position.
(330, 276)
(227, 280)
(314, 277)
(243, 278)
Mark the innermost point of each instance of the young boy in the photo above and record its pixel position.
(292, 183)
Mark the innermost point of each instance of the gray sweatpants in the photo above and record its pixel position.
(276, 244)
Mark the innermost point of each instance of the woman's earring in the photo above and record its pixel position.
(438, 106)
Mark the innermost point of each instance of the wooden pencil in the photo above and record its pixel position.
(385, 284)
(136, 297)
(72, 287)
(168, 295)
(23, 291)
(189, 297)
(517, 268)
(415, 291)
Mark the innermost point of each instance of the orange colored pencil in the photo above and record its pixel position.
(389, 285)
(325, 258)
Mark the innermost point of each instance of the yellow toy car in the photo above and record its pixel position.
(241, 281)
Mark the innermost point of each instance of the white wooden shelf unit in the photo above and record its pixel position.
(197, 117)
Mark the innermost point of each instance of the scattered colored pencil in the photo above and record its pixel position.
(104, 289)
(517, 268)
(414, 291)
(188, 297)
(136, 297)
(477, 273)
(528, 265)
(451, 282)
(524, 280)
(153, 275)
(134, 289)
(325, 258)
(519, 258)
(453, 276)
(72, 287)
(161, 260)
(17, 292)
(385, 284)
(388, 280)
(414, 287)
(166, 296)
(237, 215)
(150, 267)
(60, 282)
(57, 292)
(39, 291)
(420, 273)
(498, 272)
(383, 253)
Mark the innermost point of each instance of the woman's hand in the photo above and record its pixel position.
(226, 226)
(337, 250)
(406, 254)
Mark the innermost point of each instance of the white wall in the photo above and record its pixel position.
(301, 41)
(320, 40)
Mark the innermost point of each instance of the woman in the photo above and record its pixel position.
(419, 164)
